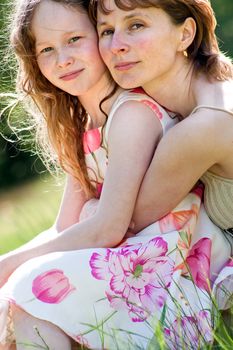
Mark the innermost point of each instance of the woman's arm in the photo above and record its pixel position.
(182, 156)
(133, 135)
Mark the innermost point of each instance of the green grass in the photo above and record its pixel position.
(27, 210)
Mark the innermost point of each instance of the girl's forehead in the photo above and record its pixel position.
(61, 22)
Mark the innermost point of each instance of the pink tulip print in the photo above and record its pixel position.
(138, 277)
(198, 262)
(91, 140)
(52, 287)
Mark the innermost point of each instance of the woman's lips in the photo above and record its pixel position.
(71, 75)
(122, 66)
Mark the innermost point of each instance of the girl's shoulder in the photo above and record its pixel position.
(138, 94)
(167, 118)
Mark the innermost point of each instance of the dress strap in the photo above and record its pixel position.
(166, 118)
(213, 108)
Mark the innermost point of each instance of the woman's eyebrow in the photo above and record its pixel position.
(127, 17)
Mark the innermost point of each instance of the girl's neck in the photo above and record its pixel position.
(91, 101)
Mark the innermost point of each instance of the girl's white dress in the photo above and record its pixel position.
(162, 282)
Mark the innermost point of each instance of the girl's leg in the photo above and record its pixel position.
(32, 333)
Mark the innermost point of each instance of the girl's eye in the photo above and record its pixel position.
(136, 26)
(74, 39)
(46, 49)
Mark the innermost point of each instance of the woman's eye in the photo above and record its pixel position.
(74, 39)
(46, 49)
(106, 32)
(136, 26)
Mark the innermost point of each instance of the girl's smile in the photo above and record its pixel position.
(71, 75)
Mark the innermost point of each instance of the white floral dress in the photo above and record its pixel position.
(162, 279)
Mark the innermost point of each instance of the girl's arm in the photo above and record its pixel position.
(133, 135)
(71, 205)
(187, 151)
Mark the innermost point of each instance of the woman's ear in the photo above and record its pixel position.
(188, 32)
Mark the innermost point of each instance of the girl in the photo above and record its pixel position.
(61, 71)
(75, 284)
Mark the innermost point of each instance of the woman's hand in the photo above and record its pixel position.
(89, 209)
(7, 266)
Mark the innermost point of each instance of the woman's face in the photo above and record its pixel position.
(66, 47)
(139, 46)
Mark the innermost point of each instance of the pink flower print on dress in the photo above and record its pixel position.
(82, 341)
(154, 107)
(99, 265)
(99, 188)
(230, 262)
(198, 262)
(198, 190)
(223, 286)
(91, 140)
(193, 331)
(51, 287)
(138, 277)
(138, 90)
(175, 220)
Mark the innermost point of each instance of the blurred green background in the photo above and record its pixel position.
(29, 198)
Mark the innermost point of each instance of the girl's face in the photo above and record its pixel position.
(138, 46)
(66, 47)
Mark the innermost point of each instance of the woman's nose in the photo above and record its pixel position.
(118, 44)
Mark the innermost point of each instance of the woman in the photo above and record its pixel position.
(170, 49)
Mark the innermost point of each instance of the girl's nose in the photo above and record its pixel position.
(64, 59)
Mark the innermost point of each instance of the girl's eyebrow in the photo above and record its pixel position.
(127, 17)
(41, 43)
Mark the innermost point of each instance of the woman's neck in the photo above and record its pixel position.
(92, 99)
(175, 90)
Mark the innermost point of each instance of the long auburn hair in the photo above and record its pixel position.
(58, 117)
(204, 50)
